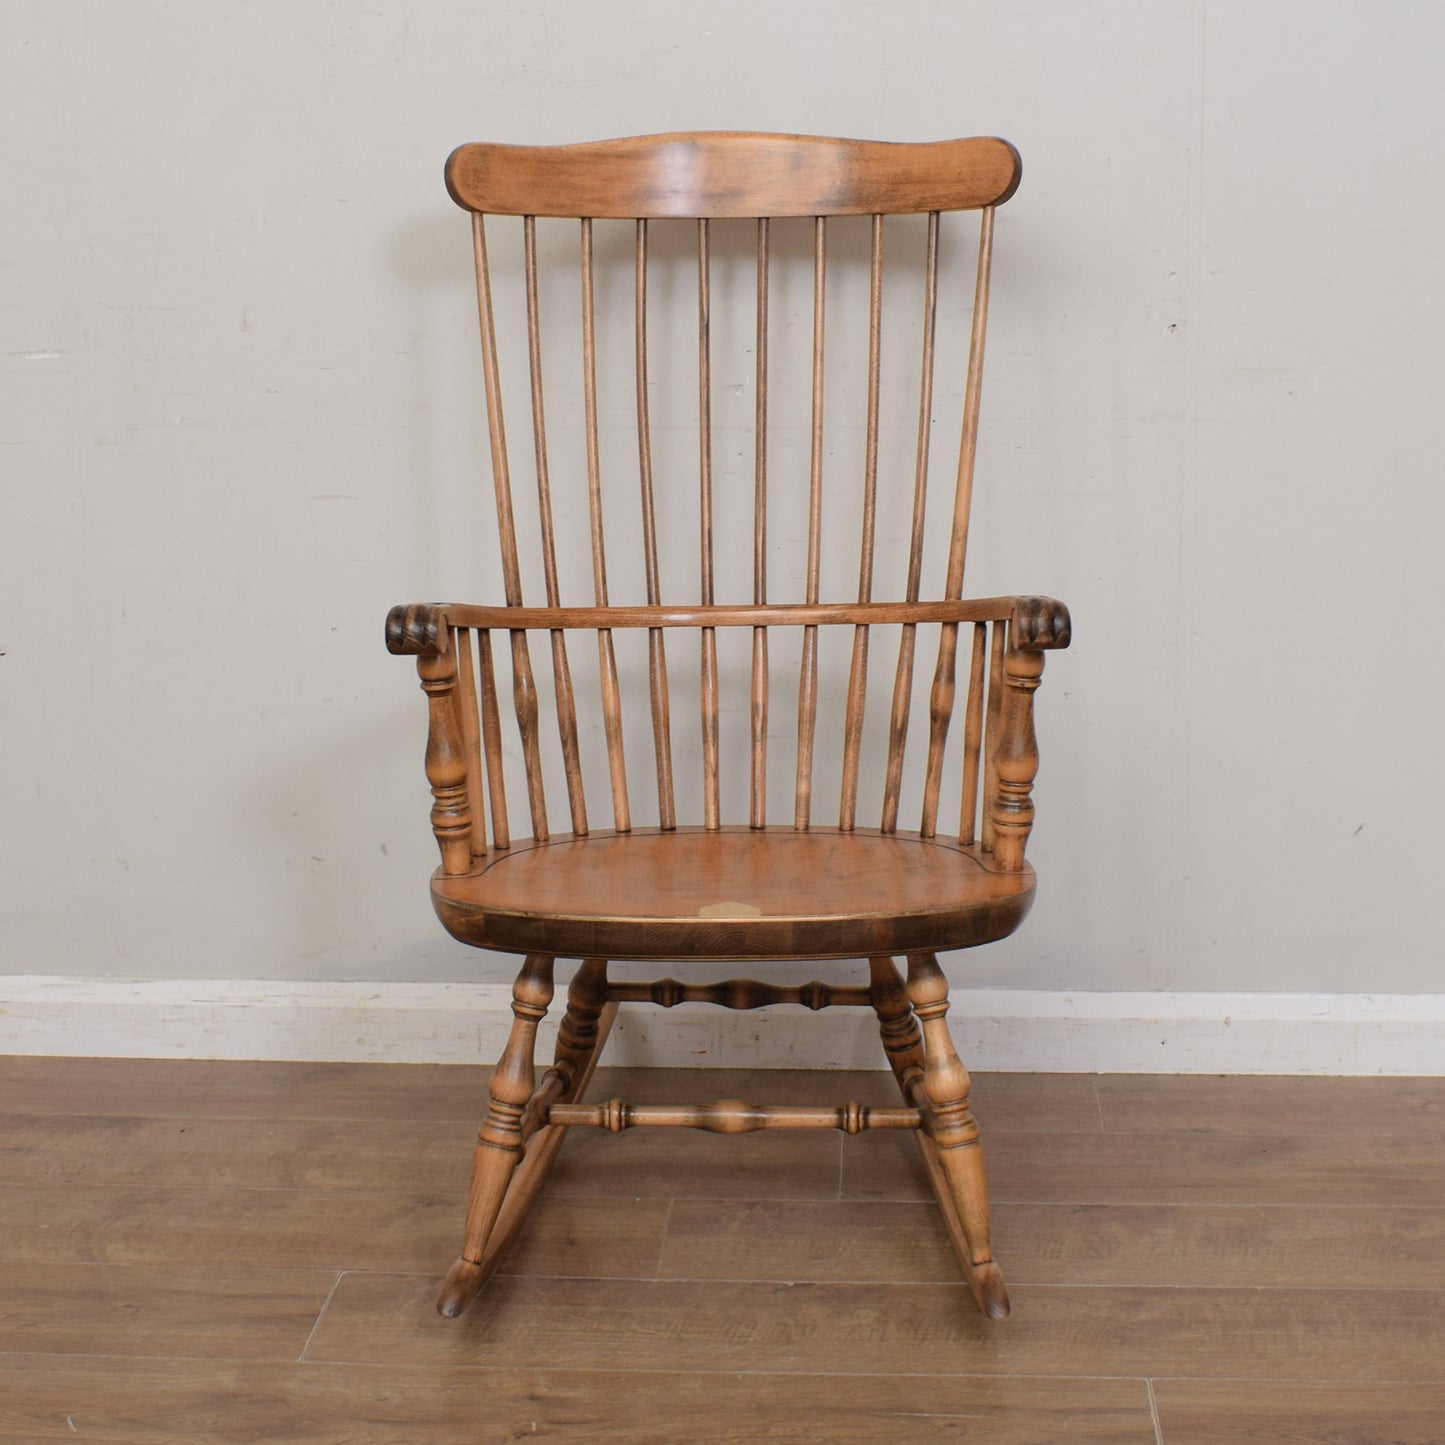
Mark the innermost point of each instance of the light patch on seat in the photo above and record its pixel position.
(729, 909)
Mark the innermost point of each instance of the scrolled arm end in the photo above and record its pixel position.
(417, 629)
(1040, 623)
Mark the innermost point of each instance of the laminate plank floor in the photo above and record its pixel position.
(227, 1252)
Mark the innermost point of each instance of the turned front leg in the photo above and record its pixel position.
(951, 1123)
(500, 1139)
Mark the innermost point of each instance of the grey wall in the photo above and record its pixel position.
(242, 404)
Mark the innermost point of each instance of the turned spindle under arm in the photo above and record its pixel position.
(464, 743)
(1038, 623)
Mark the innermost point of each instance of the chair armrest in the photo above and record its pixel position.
(420, 628)
(1039, 623)
(417, 629)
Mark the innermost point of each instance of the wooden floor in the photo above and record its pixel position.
(221, 1252)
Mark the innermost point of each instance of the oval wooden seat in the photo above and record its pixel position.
(734, 893)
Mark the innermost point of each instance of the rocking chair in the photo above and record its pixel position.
(660, 888)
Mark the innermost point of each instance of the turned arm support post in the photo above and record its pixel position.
(421, 631)
(1038, 624)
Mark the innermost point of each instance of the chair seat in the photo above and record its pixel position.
(733, 893)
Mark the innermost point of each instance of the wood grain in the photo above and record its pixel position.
(903, 674)
(1345, 1334)
(1007, 1103)
(184, 1152)
(253, 1088)
(758, 709)
(1176, 1168)
(817, 894)
(656, 648)
(207, 1311)
(653, 1164)
(1263, 1104)
(274, 1090)
(469, 722)
(968, 441)
(1313, 1412)
(808, 666)
(561, 671)
(1317, 1317)
(732, 174)
(780, 614)
(329, 1229)
(492, 743)
(177, 1403)
(731, 1116)
(1076, 1244)
(447, 764)
(742, 993)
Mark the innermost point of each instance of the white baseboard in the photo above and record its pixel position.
(1006, 1029)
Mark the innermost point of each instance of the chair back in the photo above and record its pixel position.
(789, 431)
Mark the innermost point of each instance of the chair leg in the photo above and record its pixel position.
(590, 1017)
(951, 1147)
(902, 1038)
(499, 1141)
(580, 1039)
(903, 1046)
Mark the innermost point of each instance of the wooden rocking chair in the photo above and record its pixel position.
(760, 891)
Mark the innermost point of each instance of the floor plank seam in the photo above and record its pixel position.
(1307, 1203)
(790, 1281)
(1322, 1380)
(424, 1369)
(321, 1314)
(732, 1200)
(735, 1372)
(738, 1199)
(795, 1281)
(264, 1362)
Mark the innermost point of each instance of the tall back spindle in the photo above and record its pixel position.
(715, 184)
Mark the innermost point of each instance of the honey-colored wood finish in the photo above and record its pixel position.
(652, 887)
(733, 894)
(732, 174)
